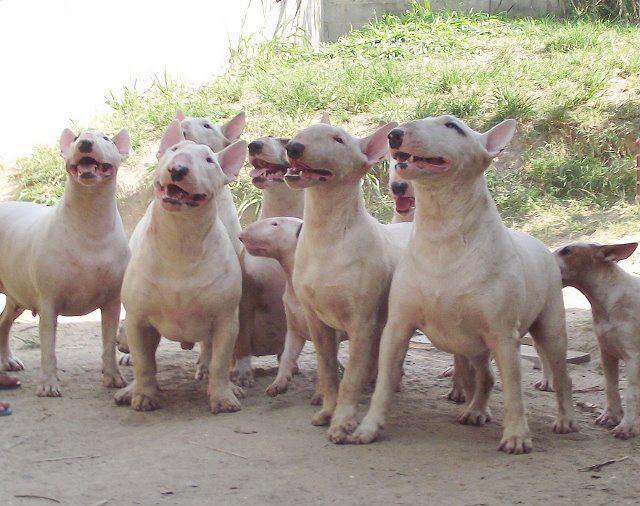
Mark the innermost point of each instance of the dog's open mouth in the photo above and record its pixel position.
(404, 204)
(87, 168)
(174, 195)
(433, 164)
(264, 172)
(300, 170)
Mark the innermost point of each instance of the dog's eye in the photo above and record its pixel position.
(565, 251)
(174, 148)
(274, 224)
(106, 138)
(207, 125)
(209, 159)
(454, 126)
(339, 140)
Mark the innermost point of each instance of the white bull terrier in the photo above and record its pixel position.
(184, 280)
(468, 282)
(263, 326)
(277, 238)
(68, 259)
(404, 200)
(615, 303)
(344, 261)
(217, 137)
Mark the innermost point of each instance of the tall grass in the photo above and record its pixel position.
(573, 85)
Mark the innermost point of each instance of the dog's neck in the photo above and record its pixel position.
(329, 211)
(90, 210)
(403, 218)
(182, 234)
(286, 259)
(453, 217)
(280, 200)
(598, 285)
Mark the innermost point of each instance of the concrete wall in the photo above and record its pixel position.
(337, 17)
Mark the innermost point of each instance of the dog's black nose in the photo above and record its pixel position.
(294, 149)
(399, 187)
(178, 173)
(85, 146)
(395, 138)
(255, 147)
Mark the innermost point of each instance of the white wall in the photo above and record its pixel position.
(59, 58)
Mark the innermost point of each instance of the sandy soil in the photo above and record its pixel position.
(81, 449)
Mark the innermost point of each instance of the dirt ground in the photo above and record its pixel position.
(81, 449)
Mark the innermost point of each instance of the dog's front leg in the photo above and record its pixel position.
(326, 345)
(242, 372)
(516, 437)
(204, 359)
(143, 393)
(7, 361)
(293, 344)
(630, 425)
(48, 386)
(223, 394)
(612, 414)
(110, 315)
(361, 348)
(393, 348)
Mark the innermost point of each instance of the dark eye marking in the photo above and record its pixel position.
(209, 159)
(565, 251)
(106, 138)
(275, 224)
(339, 140)
(174, 148)
(456, 127)
(207, 125)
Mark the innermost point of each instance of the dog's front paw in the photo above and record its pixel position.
(113, 380)
(279, 386)
(457, 395)
(609, 419)
(321, 418)
(339, 431)
(544, 385)
(145, 402)
(49, 387)
(516, 444)
(244, 378)
(126, 360)
(224, 402)
(626, 429)
(202, 372)
(476, 417)
(12, 363)
(565, 424)
(367, 432)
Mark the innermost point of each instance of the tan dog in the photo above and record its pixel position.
(184, 280)
(69, 259)
(468, 282)
(263, 326)
(615, 302)
(344, 261)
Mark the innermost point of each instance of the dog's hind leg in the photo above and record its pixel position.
(477, 412)
(7, 361)
(110, 315)
(550, 335)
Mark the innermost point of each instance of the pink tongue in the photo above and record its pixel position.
(86, 167)
(403, 204)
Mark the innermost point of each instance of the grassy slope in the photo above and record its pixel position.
(574, 87)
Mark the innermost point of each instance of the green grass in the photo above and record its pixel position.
(573, 85)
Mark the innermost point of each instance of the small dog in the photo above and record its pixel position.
(184, 280)
(468, 282)
(68, 259)
(404, 201)
(615, 303)
(344, 261)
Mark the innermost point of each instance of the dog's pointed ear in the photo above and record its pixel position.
(232, 158)
(616, 252)
(283, 140)
(66, 139)
(325, 118)
(497, 138)
(376, 146)
(180, 115)
(123, 143)
(233, 128)
(172, 136)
